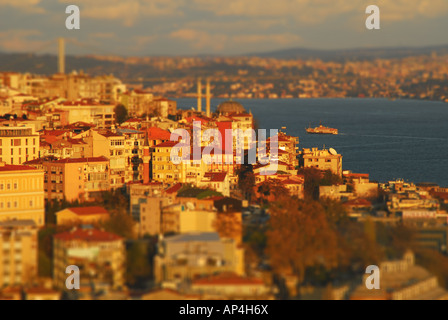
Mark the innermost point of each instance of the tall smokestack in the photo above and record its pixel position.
(61, 58)
(199, 95)
(207, 97)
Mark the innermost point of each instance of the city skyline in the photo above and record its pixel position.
(178, 27)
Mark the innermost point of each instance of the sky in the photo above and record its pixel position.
(218, 27)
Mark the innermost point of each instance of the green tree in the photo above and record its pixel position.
(121, 113)
(119, 223)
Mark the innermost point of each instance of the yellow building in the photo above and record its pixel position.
(192, 255)
(99, 255)
(75, 179)
(83, 215)
(322, 159)
(18, 144)
(18, 243)
(21, 193)
(112, 146)
(163, 169)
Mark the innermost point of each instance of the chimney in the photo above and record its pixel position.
(61, 58)
(207, 97)
(199, 95)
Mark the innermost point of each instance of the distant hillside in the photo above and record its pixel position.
(47, 64)
(353, 54)
(204, 65)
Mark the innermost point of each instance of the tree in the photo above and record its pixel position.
(139, 267)
(300, 237)
(120, 223)
(315, 178)
(246, 181)
(271, 188)
(312, 178)
(121, 113)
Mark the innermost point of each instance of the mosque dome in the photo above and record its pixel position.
(230, 107)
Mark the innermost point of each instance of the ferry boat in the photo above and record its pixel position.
(321, 130)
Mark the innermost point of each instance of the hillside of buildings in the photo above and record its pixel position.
(151, 201)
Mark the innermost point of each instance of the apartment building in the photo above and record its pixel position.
(18, 252)
(18, 144)
(21, 193)
(325, 159)
(100, 256)
(80, 179)
(89, 110)
(192, 255)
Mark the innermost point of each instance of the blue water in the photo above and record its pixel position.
(389, 139)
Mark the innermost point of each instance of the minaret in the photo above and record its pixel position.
(146, 159)
(199, 95)
(61, 57)
(207, 97)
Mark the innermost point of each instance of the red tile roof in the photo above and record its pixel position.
(357, 175)
(85, 211)
(174, 188)
(13, 167)
(91, 235)
(76, 160)
(228, 279)
(216, 176)
(133, 120)
(358, 203)
(155, 133)
(169, 144)
(108, 134)
(57, 132)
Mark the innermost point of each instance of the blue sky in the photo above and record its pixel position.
(222, 27)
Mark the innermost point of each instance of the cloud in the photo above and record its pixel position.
(236, 26)
(27, 6)
(317, 11)
(141, 41)
(126, 12)
(217, 42)
(22, 40)
(102, 35)
(406, 10)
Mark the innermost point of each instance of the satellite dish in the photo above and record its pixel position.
(190, 205)
(332, 151)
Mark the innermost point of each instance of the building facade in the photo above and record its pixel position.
(22, 193)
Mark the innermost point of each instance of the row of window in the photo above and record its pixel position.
(24, 184)
(17, 142)
(14, 204)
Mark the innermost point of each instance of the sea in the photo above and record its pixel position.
(389, 139)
